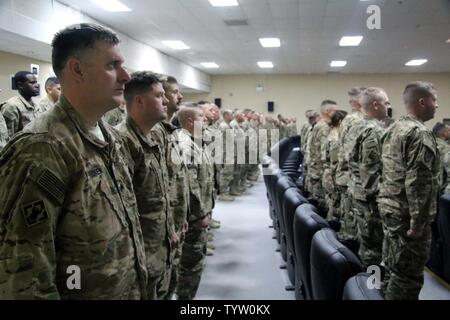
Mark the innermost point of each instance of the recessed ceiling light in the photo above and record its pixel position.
(338, 64)
(176, 44)
(224, 3)
(270, 42)
(210, 65)
(111, 5)
(352, 41)
(265, 64)
(416, 62)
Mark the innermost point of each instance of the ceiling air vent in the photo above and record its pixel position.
(234, 23)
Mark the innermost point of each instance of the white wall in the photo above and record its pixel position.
(39, 20)
(294, 94)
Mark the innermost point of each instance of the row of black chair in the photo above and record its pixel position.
(318, 265)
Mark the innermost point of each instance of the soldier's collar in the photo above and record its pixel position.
(141, 136)
(82, 128)
(25, 102)
(413, 117)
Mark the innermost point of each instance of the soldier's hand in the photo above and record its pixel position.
(204, 223)
(174, 239)
(413, 234)
(185, 227)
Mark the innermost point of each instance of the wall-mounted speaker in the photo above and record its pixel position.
(218, 102)
(270, 106)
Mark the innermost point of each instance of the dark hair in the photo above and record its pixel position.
(203, 102)
(438, 127)
(337, 118)
(77, 38)
(356, 91)
(52, 81)
(417, 90)
(166, 81)
(21, 76)
(324, 102)
(139, 83)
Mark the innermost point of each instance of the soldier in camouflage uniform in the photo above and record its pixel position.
(21, 110)
(4, 137)
(53, 90)
(146, 104)
(68, 203)
(316, 143)
(116, 116)
(201, 175)
(408, 193)
(442, 133)
(237, 184)
(178, 175)
(365, 174)
(226, 173)
(330, 160)
(346, 140)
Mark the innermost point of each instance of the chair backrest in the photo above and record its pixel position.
(292, 200)
(332, 264)
(356, 288)
(443, 224)
(306, 223)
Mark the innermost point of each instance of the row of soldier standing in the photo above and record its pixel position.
(380, 179)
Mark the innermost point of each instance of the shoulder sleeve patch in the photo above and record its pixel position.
(34, 213)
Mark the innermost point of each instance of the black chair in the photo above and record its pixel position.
(306, 223)
(443, 224)
(332, 264)
(292, 199)
(284, 183)
(356, 289)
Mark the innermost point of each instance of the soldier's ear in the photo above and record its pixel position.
(75, 69)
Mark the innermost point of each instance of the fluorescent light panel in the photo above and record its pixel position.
(210, 65)
(265, 64)
(352, 41)
(270, 42)
(224, 3)
(416, 62)
(338, 64)
(111, 5)
(176, 44)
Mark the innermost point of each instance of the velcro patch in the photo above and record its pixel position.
(35, 213)
(52, 184)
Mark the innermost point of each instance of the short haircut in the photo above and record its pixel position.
(370, 95)
(227, 112)
(325, 102)
(51, 82)
(417, 90)
(21, 77)
(186, 112)
(75, 39)
(308, 112)
(356, 92)
(140, 82)
(203, 102)
(438, 128)
(168, 81)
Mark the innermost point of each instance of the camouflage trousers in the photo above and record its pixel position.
(226, 177)
(317, 192)
(159, 273)
(192, 262)
(348, 223)
(403, 257)
(369, 231)
(239, 176)
(175, 275)
(332, 197)
(254, 172)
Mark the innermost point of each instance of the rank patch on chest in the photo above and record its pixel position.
(35, 213)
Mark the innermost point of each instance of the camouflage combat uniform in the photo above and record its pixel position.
(407, 200)
(4, 137)
(346, 142)
(151, 182)
(201, 173)
(444, 152)
(115, 116)
(178, 190)
(226, 173)
(330, 160)
(365, 174)
(68, 201)
(45, 104)
(18, 112)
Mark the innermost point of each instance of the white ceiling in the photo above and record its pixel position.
(309, 30)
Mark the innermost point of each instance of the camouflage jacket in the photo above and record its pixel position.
(228, 136)
(365, 160)
(4, 136)
(18, 112)
(115, 116)
(178, 190)
(346, 141)
(317, 141)
(410, 178)
(330, 160)
(444, 151)
(303, 130)
(45, 104)
(68, 200)
(151, 182)
(201, 175)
